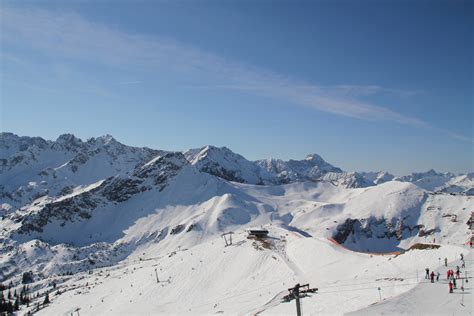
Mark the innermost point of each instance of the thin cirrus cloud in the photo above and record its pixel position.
(126, 83)
(70, 36)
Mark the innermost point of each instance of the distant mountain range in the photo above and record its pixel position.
(31, 167)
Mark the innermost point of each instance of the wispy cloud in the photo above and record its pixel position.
(68, 36)
(126, 83)
(358, 90)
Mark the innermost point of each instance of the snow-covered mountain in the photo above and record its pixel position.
(441, 182)
(377, 177)
(125, 214)
(224, 163)
(32, 167)
(347, 179)
(313, 167)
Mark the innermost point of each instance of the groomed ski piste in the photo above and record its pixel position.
(251, 277)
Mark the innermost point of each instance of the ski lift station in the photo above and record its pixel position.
(257, 232)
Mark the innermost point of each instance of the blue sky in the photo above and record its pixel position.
(369, 85)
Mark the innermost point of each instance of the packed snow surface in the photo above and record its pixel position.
(248, 278)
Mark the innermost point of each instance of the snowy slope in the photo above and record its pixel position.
(427, 297)
(211, 278)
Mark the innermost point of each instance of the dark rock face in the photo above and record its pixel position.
(66, 190)
(216, 170)
(120, 190)
(162, 168)
(177, 229)
(345, 230)
(70, 209)
(374, 228)
(78, 160)
(422, 232)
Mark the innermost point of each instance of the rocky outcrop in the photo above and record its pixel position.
(155, 174)
(65, 210)
(312, 168)
(374, 228)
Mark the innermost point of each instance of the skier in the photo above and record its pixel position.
(454, 283)
(437, 276)
(445, 262)
(450, 287)
(447, 275)
(427, 275)
(432, 276)
(462, 256)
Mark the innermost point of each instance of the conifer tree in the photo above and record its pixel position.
(9, 307)
(46, 299)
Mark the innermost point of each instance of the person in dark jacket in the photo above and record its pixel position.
(450, 287)
(432, 275)
(427, 275)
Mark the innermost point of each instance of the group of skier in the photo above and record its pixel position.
(431, 276)
(451, 275)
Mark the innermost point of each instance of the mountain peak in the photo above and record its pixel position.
(106, 139)
(314, 158)
(226, 164)
(68, 138)
(67, 141)
(215, 148)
